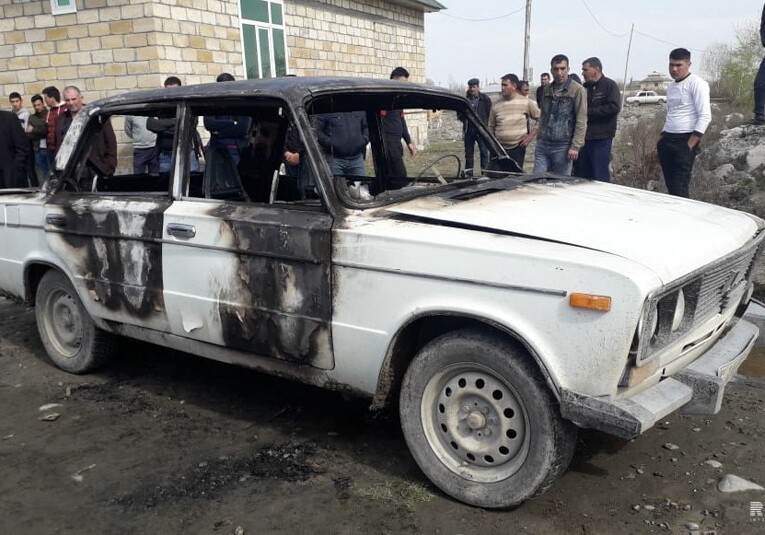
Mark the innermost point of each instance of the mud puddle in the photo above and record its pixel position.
(754, 365)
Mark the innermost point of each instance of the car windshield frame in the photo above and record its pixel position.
(371, 101)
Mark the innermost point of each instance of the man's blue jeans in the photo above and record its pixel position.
(42, 165)
(166, 161)
(552, 158)
(594, 159)
(759, 92)
(353, 166)
(144, 159)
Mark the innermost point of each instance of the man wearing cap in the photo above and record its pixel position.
(481, 104)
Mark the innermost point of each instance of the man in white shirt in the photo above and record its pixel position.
(688, 115)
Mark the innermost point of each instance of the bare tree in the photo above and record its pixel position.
(737, 74)
(715, 57)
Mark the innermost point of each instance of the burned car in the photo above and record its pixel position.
(498, 312)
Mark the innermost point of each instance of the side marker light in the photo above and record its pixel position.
(601, 303)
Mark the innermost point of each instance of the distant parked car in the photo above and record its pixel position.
(647, 97)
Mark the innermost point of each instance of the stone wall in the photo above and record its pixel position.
(364, 38)
(112, 46)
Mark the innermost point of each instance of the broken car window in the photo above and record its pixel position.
(384, 147)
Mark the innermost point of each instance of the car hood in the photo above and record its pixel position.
(669, 235)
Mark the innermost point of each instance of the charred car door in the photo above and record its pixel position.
(246, 254)
(104, 222)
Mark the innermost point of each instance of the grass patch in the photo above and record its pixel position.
(395, 493)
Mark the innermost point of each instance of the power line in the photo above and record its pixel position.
(584, 3)
(667, 42)
(599, 24)
(483, 20)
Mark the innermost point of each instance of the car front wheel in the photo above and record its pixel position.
(480, 421)
(69, 336)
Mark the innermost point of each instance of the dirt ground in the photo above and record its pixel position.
(163, 442)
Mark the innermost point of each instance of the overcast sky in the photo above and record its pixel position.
(458, 49)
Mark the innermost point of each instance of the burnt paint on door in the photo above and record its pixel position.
(114, 247)
(282, 298)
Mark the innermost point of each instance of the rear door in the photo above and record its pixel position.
(246, 254)
(106, 226)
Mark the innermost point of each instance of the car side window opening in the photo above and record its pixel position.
(119, 153)
(252, 153)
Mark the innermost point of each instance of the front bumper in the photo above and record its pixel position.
(696, 389)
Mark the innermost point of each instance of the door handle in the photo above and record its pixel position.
(57, 220)
(181, 231)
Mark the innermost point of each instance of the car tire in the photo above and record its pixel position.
(481, 422)
(69, 336)
(662, 101)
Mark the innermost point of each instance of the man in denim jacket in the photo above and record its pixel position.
(563, 122)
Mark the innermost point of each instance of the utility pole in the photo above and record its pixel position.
(626, 64)
(527, 43)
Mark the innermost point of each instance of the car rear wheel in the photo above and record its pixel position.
(480, 421)
(69, 336)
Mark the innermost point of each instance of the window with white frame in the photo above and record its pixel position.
(59, 7)
(264, 43)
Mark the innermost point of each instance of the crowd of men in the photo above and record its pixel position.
(30, 140)
(574, 123)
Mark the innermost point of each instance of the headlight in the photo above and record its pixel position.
(677, 319)
(651, 316)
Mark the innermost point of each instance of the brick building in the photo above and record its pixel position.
(110, 46)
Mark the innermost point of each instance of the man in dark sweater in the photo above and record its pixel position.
(544, 79)
(394, 126)
(759, 82)
(164, 127)
(344, 138)
(14, 152)
(603, 106)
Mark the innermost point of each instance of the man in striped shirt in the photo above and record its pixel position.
(509, 119)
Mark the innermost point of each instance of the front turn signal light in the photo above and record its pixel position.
(601, 303)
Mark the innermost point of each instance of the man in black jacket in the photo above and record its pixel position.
(481, 104)
(603, 106)
(164, 127)
(14, 152)
(544, 80)
(344, 138)
(37, 131)
(759, 82)
(395, 129)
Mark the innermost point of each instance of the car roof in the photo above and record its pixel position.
(294, 89)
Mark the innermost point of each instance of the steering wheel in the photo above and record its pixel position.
(65, 185)
(439, 176)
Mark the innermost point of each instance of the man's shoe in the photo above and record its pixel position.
(756, 122)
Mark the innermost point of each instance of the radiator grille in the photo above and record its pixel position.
(717, 284)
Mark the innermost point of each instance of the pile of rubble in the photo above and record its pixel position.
(731, 170)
